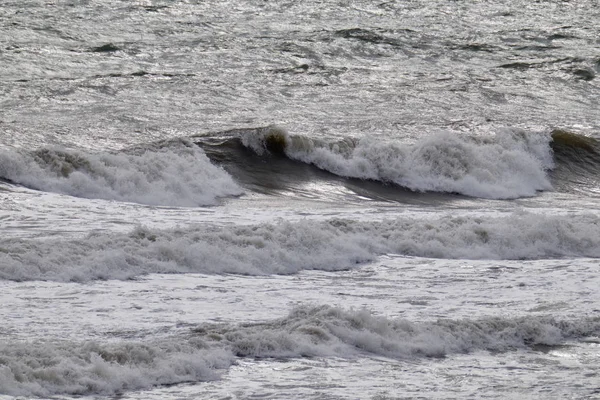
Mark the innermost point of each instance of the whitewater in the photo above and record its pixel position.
(299, 200)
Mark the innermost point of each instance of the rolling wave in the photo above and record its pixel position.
(510, 164)
(506, 166)
(177, 173)
(289, 247)
(47, 368)
(331, 331)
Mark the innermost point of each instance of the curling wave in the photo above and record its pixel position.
(510, 164)
(507, 165)
(578, 162)
(176, 174)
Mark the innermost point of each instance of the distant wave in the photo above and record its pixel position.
(508, 165)
(289, 247)
(47, 368)
(176, 174)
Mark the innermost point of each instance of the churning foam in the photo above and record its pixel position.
(47, 367)
(179, 174)
(508, 165)
(288, 247)
(331, 331)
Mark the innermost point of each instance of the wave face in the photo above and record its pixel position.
(47, 368)
(289, 247)
(578, 162)
(508, 165)
(178, 174)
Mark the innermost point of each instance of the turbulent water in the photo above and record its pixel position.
(299, 200)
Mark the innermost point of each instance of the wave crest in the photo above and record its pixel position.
(289, 247)
(331, 331)
(178, 174)
(507, 165)
(47, 368)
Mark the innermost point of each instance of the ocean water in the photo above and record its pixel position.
(299, 200)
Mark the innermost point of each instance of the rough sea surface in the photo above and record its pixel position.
(299, 200)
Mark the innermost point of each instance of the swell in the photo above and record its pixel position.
(47, 368)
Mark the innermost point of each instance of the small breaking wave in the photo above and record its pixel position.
(508, 165)
(177, 174)
(47, 368)
(310, 331)
(288, 247)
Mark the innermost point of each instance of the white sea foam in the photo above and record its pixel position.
(176, 175)
(288, 247)
(509, 164)
(327, 331)
(47, 368)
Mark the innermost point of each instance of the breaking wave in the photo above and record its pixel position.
(288, 247)
(177, 174)
(331, 331)
(47, 368)
(508, 165)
